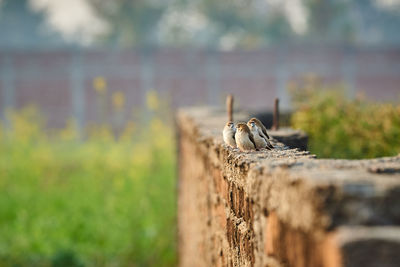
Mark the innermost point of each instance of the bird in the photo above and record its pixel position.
(259, 139)
(261, 130)
(229, 134)
(244, 138)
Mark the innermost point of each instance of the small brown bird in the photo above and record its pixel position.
(261, 129)
(260, 140)
(229, 134)
(244, 138)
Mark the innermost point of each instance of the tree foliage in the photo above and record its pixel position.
(244, 24)
(179, 22)
(353, 22)
(329, 21)
(22, 27)
(130, 22)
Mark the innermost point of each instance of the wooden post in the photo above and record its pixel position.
(229, 107)
(275, 125)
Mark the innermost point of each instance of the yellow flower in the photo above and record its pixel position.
(100, 133)
(127, 133)
(156, 125)
(152, 100)
(118, 100)
(141, 155)
(100, 84)
(70, 132)
(26, 124)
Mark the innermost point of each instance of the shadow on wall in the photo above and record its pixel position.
(267, 118)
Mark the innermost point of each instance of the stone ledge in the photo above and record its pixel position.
(309, 199)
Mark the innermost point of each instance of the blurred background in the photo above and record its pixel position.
(88, 89)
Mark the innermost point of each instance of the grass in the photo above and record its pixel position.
(340, 127)
(103, 201)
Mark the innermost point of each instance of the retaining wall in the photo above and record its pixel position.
(281, 207)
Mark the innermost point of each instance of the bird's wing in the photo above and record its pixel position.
(262, 135)
(251, 137)
(264, 130)
(270, 146)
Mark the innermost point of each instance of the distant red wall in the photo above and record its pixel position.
(60, 81)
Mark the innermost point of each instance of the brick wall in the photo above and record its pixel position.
(60, 81)
(281, 208)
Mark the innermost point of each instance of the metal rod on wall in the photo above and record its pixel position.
(275, 125)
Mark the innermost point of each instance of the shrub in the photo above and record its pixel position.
(340, 127)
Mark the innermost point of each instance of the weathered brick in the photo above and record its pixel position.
(271, 235)
(224, 189)
(229, 231)
(247, 216)
(241, 202)
(220, 215)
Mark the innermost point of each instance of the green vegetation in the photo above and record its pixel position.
(104, 201)
(342, 128)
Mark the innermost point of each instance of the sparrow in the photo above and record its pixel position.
(229, 134)
(260, 140)
(261, 129)
(244, 138)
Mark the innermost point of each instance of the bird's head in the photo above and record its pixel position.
(251, 124)
(242, 127)
(230, 124)
(255, 120)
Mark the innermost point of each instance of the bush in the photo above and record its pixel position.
(101, 201)
(340, 127)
